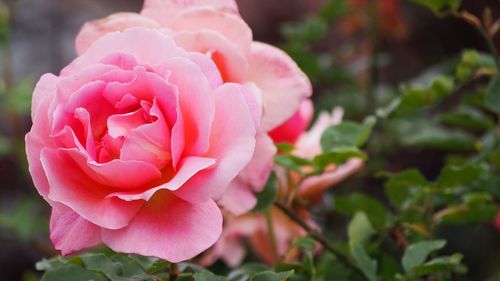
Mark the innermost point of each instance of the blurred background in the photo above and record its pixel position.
(356, 52)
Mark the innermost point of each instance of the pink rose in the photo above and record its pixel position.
(133, 140)
(309, 145)
(292, 129)
(253, 228)
(215, 28)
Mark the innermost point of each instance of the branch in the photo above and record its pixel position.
(315, 235)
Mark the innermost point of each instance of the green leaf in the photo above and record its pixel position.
(245, 271)
(73, 273)
(467, 117)
(453, 176)
(493, 94)
(101, 263)
(360, 229)
(291, 162)
(439, 5)
(347, 134)
(266, 198)
(208, 276)
(435, 137)
(358, 202)
(400, 186)
(271, 276)
(416, 97)
(338, 155)
(305, 243)
(367, 265)
(416, 254)
(441, 264)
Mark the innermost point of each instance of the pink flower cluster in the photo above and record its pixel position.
(164, 118)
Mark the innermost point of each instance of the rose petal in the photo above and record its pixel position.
(230, 60)
(284, 86)
(85, 196)
(164, 11)
(238, 198)
(189, 166)
(93, 30)
(232, 143)
(293, 128)
(169, 228)
(231, 26)
(70, 232)
(149, 47)
(314, 186)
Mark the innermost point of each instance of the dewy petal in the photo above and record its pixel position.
(149, 47)
(168, 228)
(165, 10)
(284, 86)
(70, 232)
(231, 26)
(86, 197)
(232, 143)
(94, 30)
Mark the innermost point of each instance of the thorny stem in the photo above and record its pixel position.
(315, 235)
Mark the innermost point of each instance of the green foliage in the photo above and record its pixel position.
(266, 198)
(416, 254)
(440, 5)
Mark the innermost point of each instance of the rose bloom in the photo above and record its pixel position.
(215, 28)
(133, 140)
(253, 227)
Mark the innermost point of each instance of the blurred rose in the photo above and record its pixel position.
(215, 28)
(253, 227)
(309, 145)
(389, 19)
(290, 131)
(131, 142)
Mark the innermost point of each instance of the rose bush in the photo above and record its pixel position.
(215, 28)
(133, 140)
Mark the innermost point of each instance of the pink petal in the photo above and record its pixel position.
(259, 168)
(37, 139)
(149, 47)
(196, 105)
(231, 26)
(284, 86)
(149, 143)
(232, 143)
(71, 233)
(238, 198)
(313, 186)
(291, 130)
(230, 60)
(169, 228)
(94, 30)
(45, 87)
(309, 143)
(163, 11)
(189, 167)
(71, 187)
